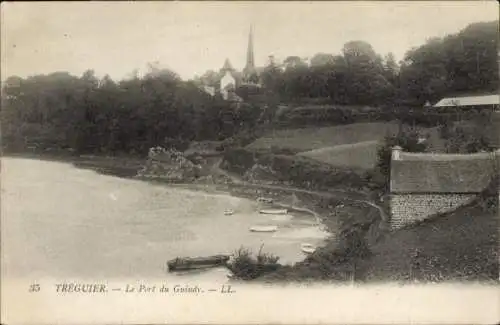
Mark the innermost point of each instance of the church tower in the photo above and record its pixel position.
(227, 82)
(249, 72)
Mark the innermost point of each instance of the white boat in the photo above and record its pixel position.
(228, 212)
(265, 200)
(274, 211)
(264, 228)
(308, 248)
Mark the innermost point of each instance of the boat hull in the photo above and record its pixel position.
(264, 200)
(264, 229)
(188, 263)
(274, 211)
(308, 248)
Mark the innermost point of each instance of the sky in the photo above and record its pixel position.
(117, 38)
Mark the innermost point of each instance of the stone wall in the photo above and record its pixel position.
(407, 209)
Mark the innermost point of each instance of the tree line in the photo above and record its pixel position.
(465, 62)
(89, 114)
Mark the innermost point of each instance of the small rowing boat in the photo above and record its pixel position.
(308, 248)
(274, 211)
(264, 200)
(192, 263)
(264, 228)
(228, 212)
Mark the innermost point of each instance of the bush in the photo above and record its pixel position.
(246, 267)
(176, 144)
(283, 151)
(239, 160)
(488, 200)
(407, 139)
(298, 170)
(354, 242)
(308, 173)
(169, 164)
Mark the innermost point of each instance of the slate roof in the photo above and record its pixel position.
(457, 175)
(469, 101)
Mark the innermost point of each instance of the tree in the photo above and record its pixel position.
(367, 83)
(322, 59)
(210, 78)
(460, 63)
(295, 77)
(95, 115)
(356, 51)
(408, 139)
(294, 62)
(391, 69)
(272, 76)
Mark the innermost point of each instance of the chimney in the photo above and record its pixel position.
(396, 153)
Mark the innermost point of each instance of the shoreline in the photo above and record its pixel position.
(235, 191)
(318, 204)
(342, 216)
(321, 206)
(125, 167)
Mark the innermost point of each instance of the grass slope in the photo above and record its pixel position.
(458, 246)
(462, 245)
(311, 138)
(358, 155)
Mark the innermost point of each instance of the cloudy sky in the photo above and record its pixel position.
(117, 37)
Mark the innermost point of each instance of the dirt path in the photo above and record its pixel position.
(338, 194)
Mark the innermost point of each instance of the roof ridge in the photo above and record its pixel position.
(426, 156)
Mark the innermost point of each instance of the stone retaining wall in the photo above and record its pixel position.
(407, 209)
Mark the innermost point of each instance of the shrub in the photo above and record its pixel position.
(354, 242)
(247, 267)
(239, 160)
(283, 151)
(169, 164)
(351, 245)
(308, 173)
(407, 139)
(176, 144)
(467, 136)
(488, 200)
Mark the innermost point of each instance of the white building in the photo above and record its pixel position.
(483, 101)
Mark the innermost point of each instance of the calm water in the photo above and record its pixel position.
(60, 221)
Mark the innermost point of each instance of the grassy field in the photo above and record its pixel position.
(353, 145)
(311, 138)
(358, 155)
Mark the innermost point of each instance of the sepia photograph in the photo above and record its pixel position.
(249, 162)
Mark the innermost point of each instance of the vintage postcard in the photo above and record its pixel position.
(250, 162)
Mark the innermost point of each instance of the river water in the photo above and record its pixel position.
(61, 221)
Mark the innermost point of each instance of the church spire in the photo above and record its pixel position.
(250, 66)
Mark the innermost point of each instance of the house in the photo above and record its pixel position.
(230, 79)
(490, 101)
(424, 184)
